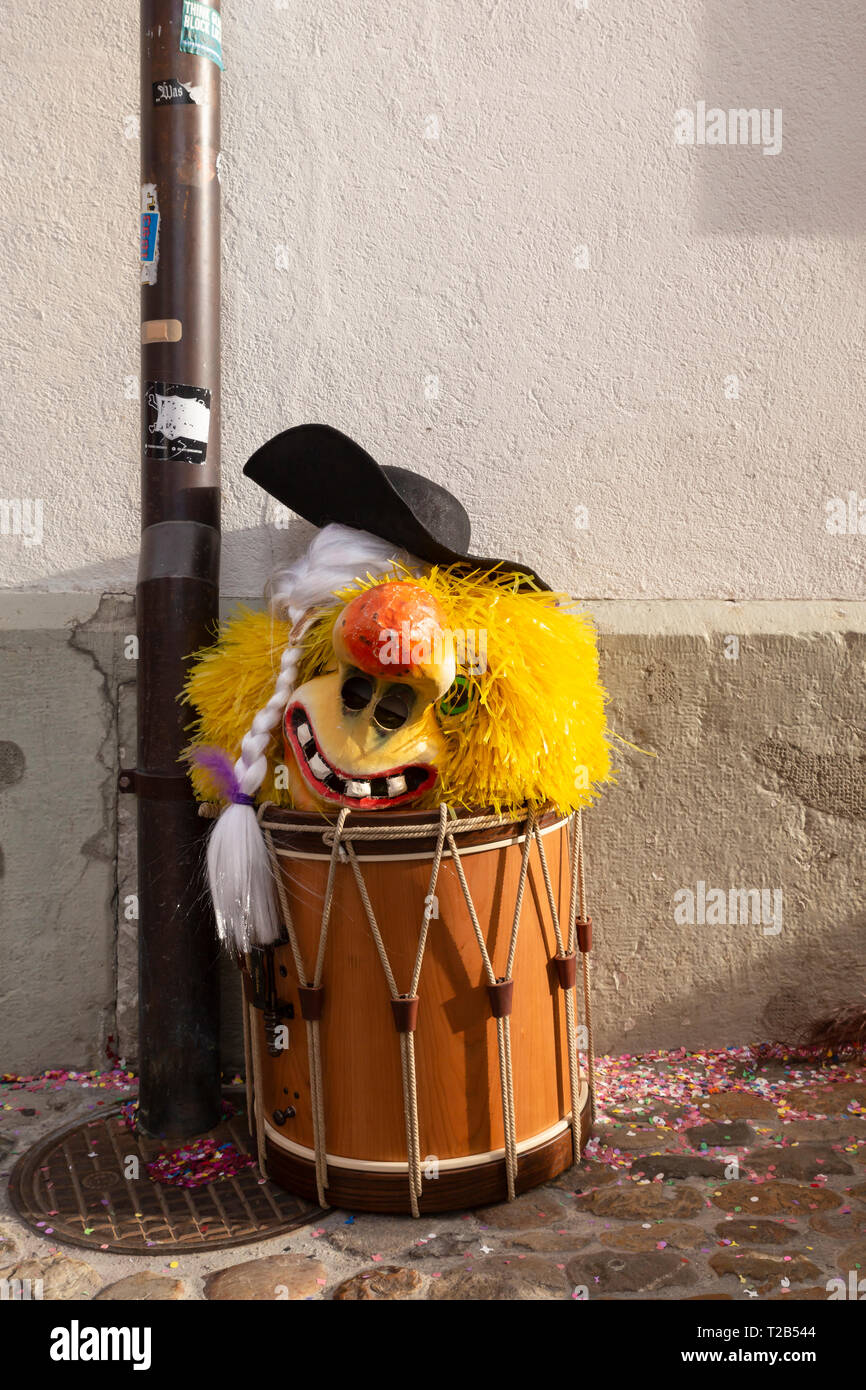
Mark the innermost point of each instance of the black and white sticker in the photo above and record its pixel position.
(171, 92)
(177, 422)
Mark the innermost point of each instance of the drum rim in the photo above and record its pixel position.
(399, 1167)
(302, 835)
(289, 817)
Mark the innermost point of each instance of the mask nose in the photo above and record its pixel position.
(397, 631)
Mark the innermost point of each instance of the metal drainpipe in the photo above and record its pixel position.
(178, 579)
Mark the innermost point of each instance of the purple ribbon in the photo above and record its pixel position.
(217, 763)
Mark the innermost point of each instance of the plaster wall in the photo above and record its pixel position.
(465, 234)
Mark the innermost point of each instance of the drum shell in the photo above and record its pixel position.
(456, 1053)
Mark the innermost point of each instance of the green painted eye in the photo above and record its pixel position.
(456, 701)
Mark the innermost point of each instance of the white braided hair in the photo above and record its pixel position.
(239, 869)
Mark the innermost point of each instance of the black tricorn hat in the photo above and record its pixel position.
(324, 476)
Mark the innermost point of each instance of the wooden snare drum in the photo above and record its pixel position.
(414, 1043)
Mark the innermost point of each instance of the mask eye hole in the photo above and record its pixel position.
(392, 710)
(357, 692)
(456, 701)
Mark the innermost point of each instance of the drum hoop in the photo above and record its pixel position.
(398, 1167)
(388, 825)
(402, 858)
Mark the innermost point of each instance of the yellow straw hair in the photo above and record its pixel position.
(525, 727)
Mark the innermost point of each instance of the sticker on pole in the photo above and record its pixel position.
(201, 32)
(149, 230)
(177, 422)
(170, 92)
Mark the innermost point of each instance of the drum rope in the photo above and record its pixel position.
(314, 1049)
(329, 897)
(462, 824)
(518, 901)
(428, 902)
(410, 1116)
(503, 1025)
(506, 1082)
(580, 873)
(509, 970)
(572, 1015)
(573, 852)
(587, 999)
(318, 1099)
(371, 919)
(570, 1019)
(503, 1036)
(407, 1036)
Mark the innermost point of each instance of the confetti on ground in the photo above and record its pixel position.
(670, 1091)
(194, 1165)
(117, 1079)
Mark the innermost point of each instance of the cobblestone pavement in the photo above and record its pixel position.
(711, 1176)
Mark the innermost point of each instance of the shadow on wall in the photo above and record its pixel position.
(811, 979)
(251, 550)
(807, 62)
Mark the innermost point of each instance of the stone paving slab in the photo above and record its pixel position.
(756, 1191)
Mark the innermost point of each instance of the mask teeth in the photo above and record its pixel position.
(353, 788)
(317, 765)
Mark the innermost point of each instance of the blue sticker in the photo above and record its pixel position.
(201, 32)
(149, 233)
(149, 229)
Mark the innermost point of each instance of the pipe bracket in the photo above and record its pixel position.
(157, 786)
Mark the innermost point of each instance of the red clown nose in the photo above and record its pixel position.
(397, 630)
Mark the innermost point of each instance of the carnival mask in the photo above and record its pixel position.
(364, 733)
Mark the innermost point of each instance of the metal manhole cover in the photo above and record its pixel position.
(100, 1182)
(88, 1184)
